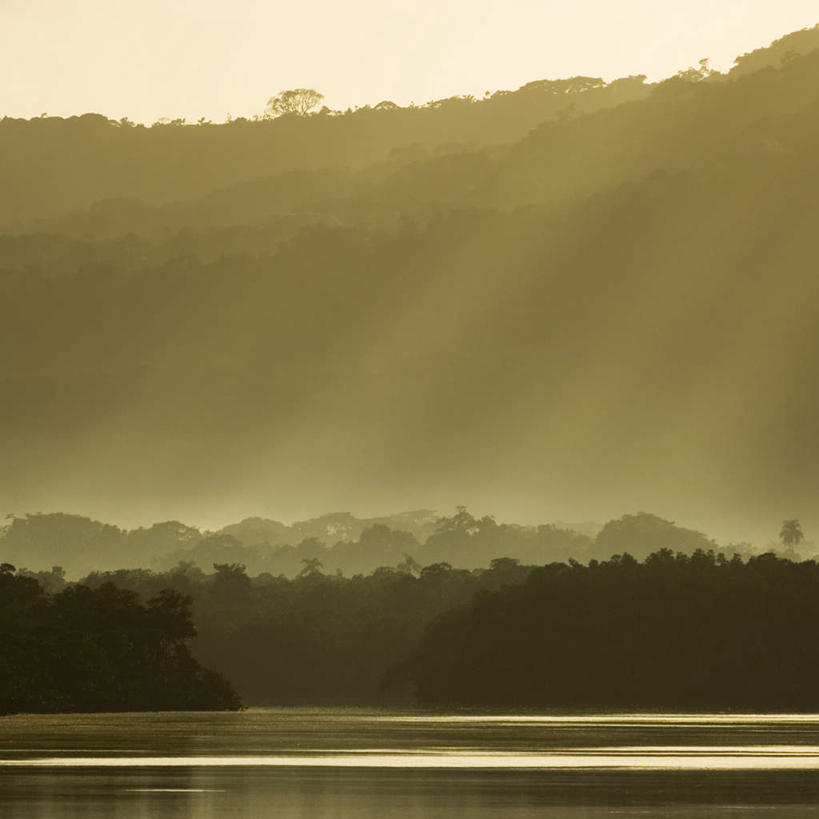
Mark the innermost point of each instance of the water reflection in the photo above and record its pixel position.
(330, 763)
(642, 758)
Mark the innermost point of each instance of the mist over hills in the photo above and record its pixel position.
(565, 301)
(80, 545)
(54, 165)
(59, 547)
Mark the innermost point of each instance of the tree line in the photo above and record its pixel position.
(681, 631)
(100, 649)
(697, 631)
(343, 543)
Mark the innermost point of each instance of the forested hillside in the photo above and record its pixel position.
(577, 294)
(58, 547)
(51, 165)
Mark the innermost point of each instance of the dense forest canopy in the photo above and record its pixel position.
(52, 166)
(100, 649)
(72, 545)
(559, 302)
(704, 630)
(673, 632)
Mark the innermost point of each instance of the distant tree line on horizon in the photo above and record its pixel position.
(342, 543)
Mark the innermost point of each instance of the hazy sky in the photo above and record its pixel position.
(152, 58)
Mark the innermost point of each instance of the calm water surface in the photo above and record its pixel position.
(366, 764)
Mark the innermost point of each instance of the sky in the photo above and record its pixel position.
(147, 59)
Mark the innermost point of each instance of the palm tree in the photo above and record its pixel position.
(312, 565)
(791, 533)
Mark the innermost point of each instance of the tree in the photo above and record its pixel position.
(461, 521)
(100, 649)
(296, 101)
(702, 72)
(791, 533)
(312, 565)
(643, 533)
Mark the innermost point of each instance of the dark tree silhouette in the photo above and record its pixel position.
(312, 565)
(791, 533)
(675, 631)
(100, 649)
(296, 101)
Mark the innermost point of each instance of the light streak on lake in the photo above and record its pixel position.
(363, 763)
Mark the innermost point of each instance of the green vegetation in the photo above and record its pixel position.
(674, 632)
(316, 638)
(340, 542)
(575, 293)
(443, 622)
(52, 166)
(99, 649)
(297, 101)
(685, 631)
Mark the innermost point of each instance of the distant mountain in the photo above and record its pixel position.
(50, 166)
(564, 308)
(256, 531)
(72, 545)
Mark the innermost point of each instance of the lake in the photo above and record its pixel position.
(372, 764)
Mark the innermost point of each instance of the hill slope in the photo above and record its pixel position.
(614, 310)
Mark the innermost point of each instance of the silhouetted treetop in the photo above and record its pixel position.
(791, 533)
(296, 101)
